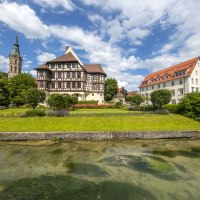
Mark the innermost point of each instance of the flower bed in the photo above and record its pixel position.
(93, 106)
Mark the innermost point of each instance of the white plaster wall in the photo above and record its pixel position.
(96, 97)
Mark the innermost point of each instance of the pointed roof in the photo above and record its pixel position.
(42, 67)
(15, 51)
(94, 68)
(69, 57)
(186, 66)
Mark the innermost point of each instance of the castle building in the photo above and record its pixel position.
(68, 75)
(15, 61)
(180, 79)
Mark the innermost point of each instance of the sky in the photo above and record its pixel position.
(129, 38)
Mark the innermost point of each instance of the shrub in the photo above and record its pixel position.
(88, 102)
(94, 106)
(2, 107)
(118, 104)
(42, 107)
(57, 113)
(190, 106)
(173, 108)
(57, 101)
(33, 113)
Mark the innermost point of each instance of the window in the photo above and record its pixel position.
(92, 94)
(59, 84)
(192, 81)
(196, 72)
(68, 65)
(73, 75)
(100, 94)
(158, 85)
(181, 91)
(59, 75)
(172, 83)
(180, 81)
(78, 74)
(142, 89)
(158, 78)
(164, 85)
(53, 85)
(53, 75)
(52, 66)
(167, 76)
(59, 66)
(146, 88)
(94, 87)
(152, 87)
(173, 101)
(197, 89)
(41, 84)
(79, 85)
(73, 65)
(196, 81)
(68, 84)
(193, 89)
(68, 74)
(73, 85)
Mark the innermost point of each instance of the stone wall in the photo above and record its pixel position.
(70, 136)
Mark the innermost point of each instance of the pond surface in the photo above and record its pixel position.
(150, 169)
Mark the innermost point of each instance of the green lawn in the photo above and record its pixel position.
(102, 111)
(112, 123)
(12, 111)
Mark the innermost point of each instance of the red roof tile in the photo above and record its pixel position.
(42, 67)
(171, 71)
(64, 58)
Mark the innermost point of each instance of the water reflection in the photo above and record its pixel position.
(157, 169)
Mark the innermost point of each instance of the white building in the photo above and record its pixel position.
(68, 75)
(180, 79)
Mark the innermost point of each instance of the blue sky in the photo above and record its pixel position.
(129, 38)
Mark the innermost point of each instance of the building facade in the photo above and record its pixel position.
(68, 75)
(180, 79)
(120, 96)
(15, 61)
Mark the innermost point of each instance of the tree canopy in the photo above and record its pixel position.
(35, 96)
(111, 88)
(4, 92)
(18, 86)
(57, 101)
(135, 99)
(160, 97)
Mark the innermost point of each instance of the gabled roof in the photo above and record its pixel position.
(186, 66)
(94, 68)
(64, 58)
(42, 67)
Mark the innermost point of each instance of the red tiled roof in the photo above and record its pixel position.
(132, 93)
(94, 68)
(43, 67)
(64, 58)
(171, 71)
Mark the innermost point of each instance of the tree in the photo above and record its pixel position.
(160, 97)
(4, 92)
(71, 101)
(35, 96)
(190, 105)
(136, 99)
(111, 88)
(57, 101)
(18, 86)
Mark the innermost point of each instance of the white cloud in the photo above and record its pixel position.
(23, 19)
(66, 4)
(33, 72)
(44, 57)
(3, 63)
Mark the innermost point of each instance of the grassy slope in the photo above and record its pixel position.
(115, 123)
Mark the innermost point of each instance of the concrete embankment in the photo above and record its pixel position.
(87, 135)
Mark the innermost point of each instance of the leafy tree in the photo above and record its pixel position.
(111, 88)
(57, 101)
(4, 92)
(18, 87)
(190, 105)
(71, 101)
(160, 97)
(136, 99)
(119, 104)
(35, 96)
(3, 75)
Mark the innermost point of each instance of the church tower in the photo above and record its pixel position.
(15, 61)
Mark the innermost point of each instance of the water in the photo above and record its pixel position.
(150, 169)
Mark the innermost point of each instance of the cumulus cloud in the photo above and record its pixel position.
(22, 18)
(66, 4)
(3, 63)
(44, 57)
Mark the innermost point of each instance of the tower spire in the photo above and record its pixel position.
(16, 42)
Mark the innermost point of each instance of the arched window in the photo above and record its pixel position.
(11, 68)
(15, 68)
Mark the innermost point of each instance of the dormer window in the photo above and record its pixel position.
(158, 78)
(167, 76)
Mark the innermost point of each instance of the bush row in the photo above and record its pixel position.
(88, 102)
(93, 106)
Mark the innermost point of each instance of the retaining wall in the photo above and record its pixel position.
(70, 136)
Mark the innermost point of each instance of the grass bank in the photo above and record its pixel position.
(113, 123)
